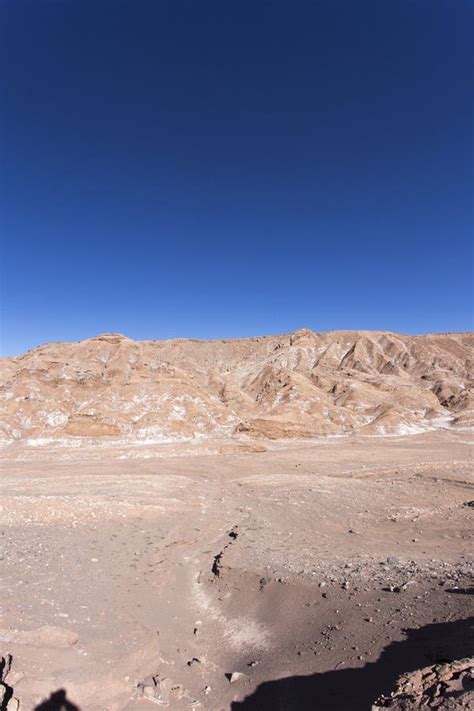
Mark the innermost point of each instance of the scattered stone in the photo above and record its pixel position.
(235, 676)
(441, 686)
(148, 691)
(158, 689)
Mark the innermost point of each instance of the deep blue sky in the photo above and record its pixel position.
(220, 169)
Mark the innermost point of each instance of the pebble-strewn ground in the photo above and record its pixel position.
(306, 576)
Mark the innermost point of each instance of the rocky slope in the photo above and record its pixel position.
(301, 384)
(440, 686)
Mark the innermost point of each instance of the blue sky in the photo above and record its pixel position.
(213, 169)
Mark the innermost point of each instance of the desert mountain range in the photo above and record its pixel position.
(301, 384)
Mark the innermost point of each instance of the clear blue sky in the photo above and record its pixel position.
(219, 169)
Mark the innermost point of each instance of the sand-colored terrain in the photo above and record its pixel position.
(315, 572)
(301, 384)
(272, 523)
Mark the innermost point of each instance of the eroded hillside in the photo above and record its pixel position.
(301, 384)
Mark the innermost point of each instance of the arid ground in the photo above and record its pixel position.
(290, 574)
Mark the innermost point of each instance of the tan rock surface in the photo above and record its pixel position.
(447, 686)
(111, 388)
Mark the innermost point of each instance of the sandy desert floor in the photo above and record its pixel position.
(307, 575)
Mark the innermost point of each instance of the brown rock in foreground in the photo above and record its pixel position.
(447, 686)
(295, 385)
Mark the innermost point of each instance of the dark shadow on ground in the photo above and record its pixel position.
(6, 691)
(461, 591)
(57, 701)
(357, 689)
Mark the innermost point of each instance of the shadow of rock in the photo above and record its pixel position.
(357, 689)
(57, 701)
(461, 591)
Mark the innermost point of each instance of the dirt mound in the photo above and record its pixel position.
(447, 686)
(302, 384)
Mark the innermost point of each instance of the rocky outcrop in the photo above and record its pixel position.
(302, 384)
(447, 686)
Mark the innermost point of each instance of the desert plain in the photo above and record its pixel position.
(272, 523)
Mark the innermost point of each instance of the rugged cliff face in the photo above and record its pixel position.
(301, 384)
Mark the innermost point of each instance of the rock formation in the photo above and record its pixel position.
(447, 686)
(301, 384)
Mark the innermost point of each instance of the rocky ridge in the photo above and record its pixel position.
(302, 384)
